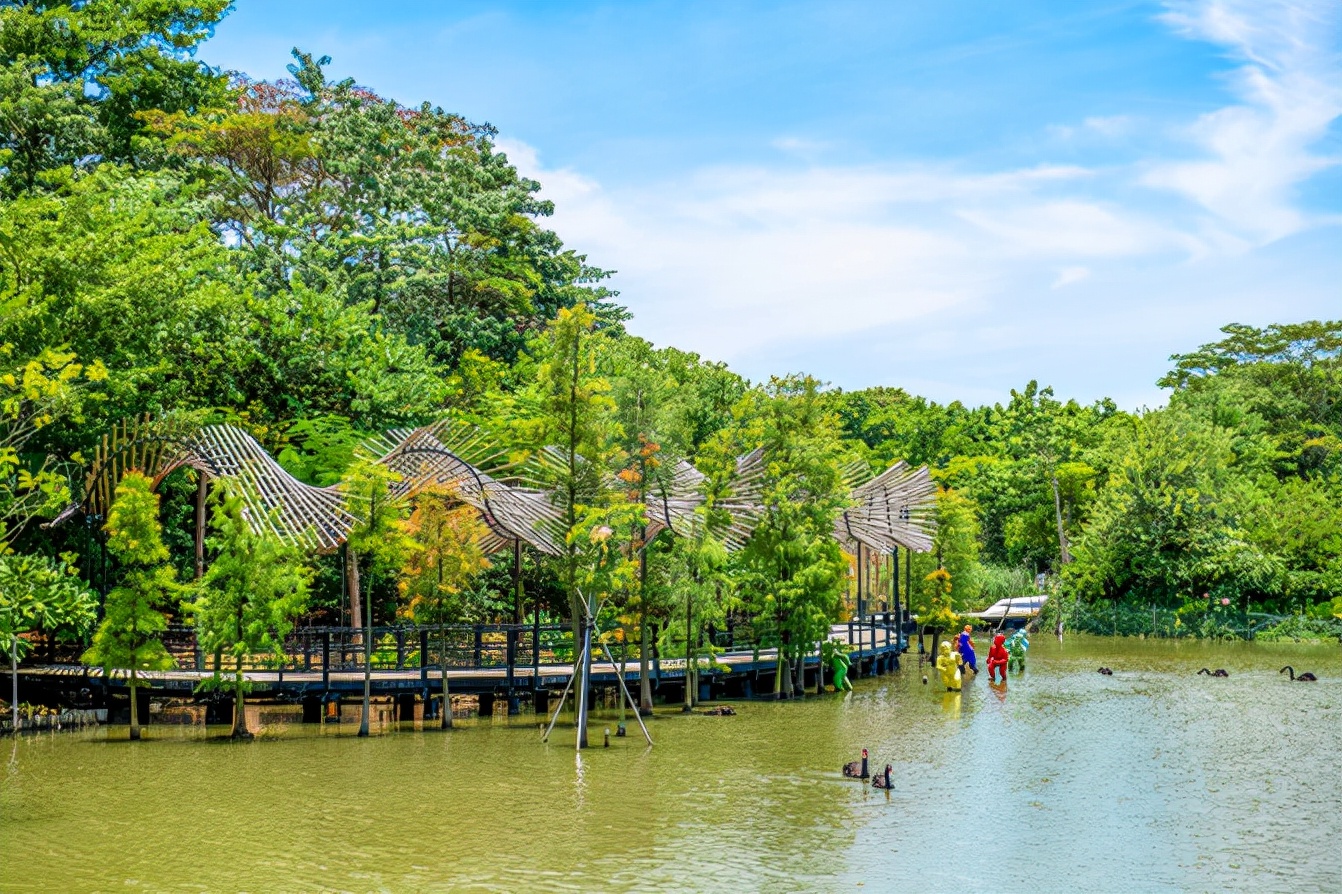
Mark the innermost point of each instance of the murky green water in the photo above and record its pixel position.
(1151, 780)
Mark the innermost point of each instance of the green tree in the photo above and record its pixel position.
(652, 409)
(379, 535)
(692, 579)
(794, 572)
(129, 637)
(571, 424)
(411, 211)
(34, 394)
(249, 598)
(76, 77)
(436, 576)
(38, 593)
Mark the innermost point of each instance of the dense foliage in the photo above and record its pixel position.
(317, 263)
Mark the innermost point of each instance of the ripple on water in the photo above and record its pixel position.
(1153, 779)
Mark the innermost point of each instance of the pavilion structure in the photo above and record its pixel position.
(892, 510)
(895, 509)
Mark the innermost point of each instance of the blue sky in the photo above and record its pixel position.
(947, 197)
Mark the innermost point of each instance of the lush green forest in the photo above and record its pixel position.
(316, 264)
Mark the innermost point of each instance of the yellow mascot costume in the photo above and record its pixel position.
(948, 663)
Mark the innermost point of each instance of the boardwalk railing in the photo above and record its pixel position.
(514, 647)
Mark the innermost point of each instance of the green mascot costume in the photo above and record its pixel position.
(1017, 646)
(840, 664)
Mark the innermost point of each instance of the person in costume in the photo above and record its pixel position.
(967, 650)
(948, 664)
(840, 665)
(1017, 646)
(997, 658)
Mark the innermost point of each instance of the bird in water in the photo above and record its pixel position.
(1306, 677)
(1106, 671)
(857, 769)
(882, 780)
(1219, 672)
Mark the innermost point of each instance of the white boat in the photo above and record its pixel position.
(1019, 608)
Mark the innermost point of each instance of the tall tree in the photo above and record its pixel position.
(130, 635)
(794, 571)
(76, 77)
(652, 413)
(436, 576)
(379, 536)
(249, 598)
(573, 426)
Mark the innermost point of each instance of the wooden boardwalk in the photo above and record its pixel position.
(732, 673)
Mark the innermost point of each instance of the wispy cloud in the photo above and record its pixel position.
(1251, 156)
(751, 263)
(1069, 275)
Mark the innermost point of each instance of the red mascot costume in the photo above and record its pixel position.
(997, 658)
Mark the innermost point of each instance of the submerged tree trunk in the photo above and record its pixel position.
(240, 730)
(446, 721)
(584, 678)
(134, 706)
(689, 655)
(644, 678)
(820, 667)
(367, 667)
(14, 680)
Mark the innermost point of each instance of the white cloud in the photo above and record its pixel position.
(1255, 153)
(837, 266)
(1103, 127)
(1068, 275)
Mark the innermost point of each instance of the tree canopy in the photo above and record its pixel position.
(318, 263)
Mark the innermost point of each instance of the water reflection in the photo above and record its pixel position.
(1154, 779)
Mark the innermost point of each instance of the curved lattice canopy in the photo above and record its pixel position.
(892, 510)
(895, 509)
(674, 505)
(318, 518)
(431, 458)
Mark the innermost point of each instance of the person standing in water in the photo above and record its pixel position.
(966, 649)
(997, 658)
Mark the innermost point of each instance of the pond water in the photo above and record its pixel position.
(1154, 779)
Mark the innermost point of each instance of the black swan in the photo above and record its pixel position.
(1106, 671)
(1219, 672)
(882, 780)
(1306, 677)
(857, 769)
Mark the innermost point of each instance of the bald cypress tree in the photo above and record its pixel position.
(130, 636)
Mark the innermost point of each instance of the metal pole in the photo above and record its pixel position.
(553, 720)
(585, 672)
(620, 676)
